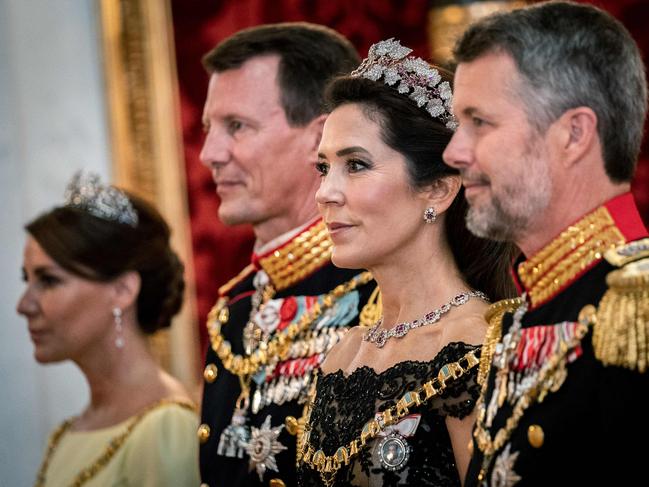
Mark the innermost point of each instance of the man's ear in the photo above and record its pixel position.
(441, 193)
(126, 289)
(313, 134)
(577, 133)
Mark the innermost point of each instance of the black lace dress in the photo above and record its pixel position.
(343, 404)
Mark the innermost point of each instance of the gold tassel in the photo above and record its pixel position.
(494, 317)
(621, 325)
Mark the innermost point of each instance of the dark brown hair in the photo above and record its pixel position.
(421, 139)
(310, 55)
(101, 250)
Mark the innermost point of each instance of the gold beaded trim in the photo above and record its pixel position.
(579, 246)
(298, 258)
(280, 345)
(549, 379)
(328, 465)
(109, 452)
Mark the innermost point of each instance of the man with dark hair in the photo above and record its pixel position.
(273, 323)
(551, 101)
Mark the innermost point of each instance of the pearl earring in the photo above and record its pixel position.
(117, 317)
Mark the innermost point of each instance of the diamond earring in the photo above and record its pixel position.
(430, 214)
(117, 317)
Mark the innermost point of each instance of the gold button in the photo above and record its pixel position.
(276, 483)
(535, 435)
(210, 373)
(470, 447)
(203, 433)
(291, 425)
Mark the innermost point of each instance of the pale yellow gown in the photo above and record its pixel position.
(160, 451)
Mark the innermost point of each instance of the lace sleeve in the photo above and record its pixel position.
(460, 396)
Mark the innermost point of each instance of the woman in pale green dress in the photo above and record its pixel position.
(100, 276)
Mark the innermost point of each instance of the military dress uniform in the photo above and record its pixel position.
(270, 328)
(565, 400)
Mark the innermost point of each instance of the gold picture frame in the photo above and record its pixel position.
(146, 146)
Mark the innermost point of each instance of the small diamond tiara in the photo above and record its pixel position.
(86, 192)
(418, 79)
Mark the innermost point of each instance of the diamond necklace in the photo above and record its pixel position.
(379, 337)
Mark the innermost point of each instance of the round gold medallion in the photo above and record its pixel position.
(535, 435)
(276, 483)
(210, 373)
(203, 433)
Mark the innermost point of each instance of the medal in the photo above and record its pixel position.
(263, 446)
(393, 452)
(234, 436)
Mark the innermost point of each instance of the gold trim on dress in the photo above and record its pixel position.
(328, 465)
(109, 452)
(572, 252)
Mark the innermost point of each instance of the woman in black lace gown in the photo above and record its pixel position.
(393, 404)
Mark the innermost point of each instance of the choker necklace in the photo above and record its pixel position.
(379, 337)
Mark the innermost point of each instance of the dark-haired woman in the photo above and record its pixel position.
(394, 402)
(101, 276)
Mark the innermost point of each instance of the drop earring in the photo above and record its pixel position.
(430, 214)
(117, 317)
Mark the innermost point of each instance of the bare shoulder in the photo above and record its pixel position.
(344, 351)
(468, 326)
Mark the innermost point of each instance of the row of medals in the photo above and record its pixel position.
(283, 389)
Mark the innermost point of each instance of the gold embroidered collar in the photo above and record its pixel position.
(290, 262)
(578, 248)
(298, 258)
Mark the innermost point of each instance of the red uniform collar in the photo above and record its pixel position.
(579, 248)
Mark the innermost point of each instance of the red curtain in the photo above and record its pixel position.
(220, 251)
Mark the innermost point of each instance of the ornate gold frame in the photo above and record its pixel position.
(447, 22)
(146, 143)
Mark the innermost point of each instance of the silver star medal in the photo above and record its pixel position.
(263, 446)
(503, 474)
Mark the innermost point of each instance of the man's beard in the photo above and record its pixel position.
(510, 215)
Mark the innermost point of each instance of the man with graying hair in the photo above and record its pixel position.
(551, 101)
(272, 324)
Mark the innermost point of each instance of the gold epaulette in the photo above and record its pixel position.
(621, 321)
(494, 317)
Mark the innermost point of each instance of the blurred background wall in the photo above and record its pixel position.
(59, 113)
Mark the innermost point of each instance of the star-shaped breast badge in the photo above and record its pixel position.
(263, 446)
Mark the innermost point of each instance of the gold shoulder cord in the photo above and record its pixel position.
(372, 310)
(279, 346)
(621, 321)
(328, 465)
(109, 452)
(494, 317)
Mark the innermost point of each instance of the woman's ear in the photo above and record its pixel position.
(441, 193)
(126, 289)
